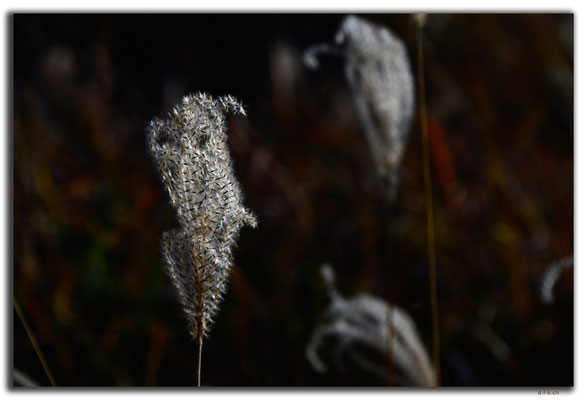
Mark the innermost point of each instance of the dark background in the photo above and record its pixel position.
(89, 208)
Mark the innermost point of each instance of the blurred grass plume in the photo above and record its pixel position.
(551, 277)
(378, 71)
(369, 321)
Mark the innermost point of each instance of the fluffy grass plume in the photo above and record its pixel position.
(191, 152)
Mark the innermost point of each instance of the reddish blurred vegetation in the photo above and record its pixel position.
(89, 208)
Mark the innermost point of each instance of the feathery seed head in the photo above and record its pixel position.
(191, 153)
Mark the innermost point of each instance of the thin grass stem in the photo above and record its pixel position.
(429, 201)
(391, 371)
(33, 340)
(199, 367)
